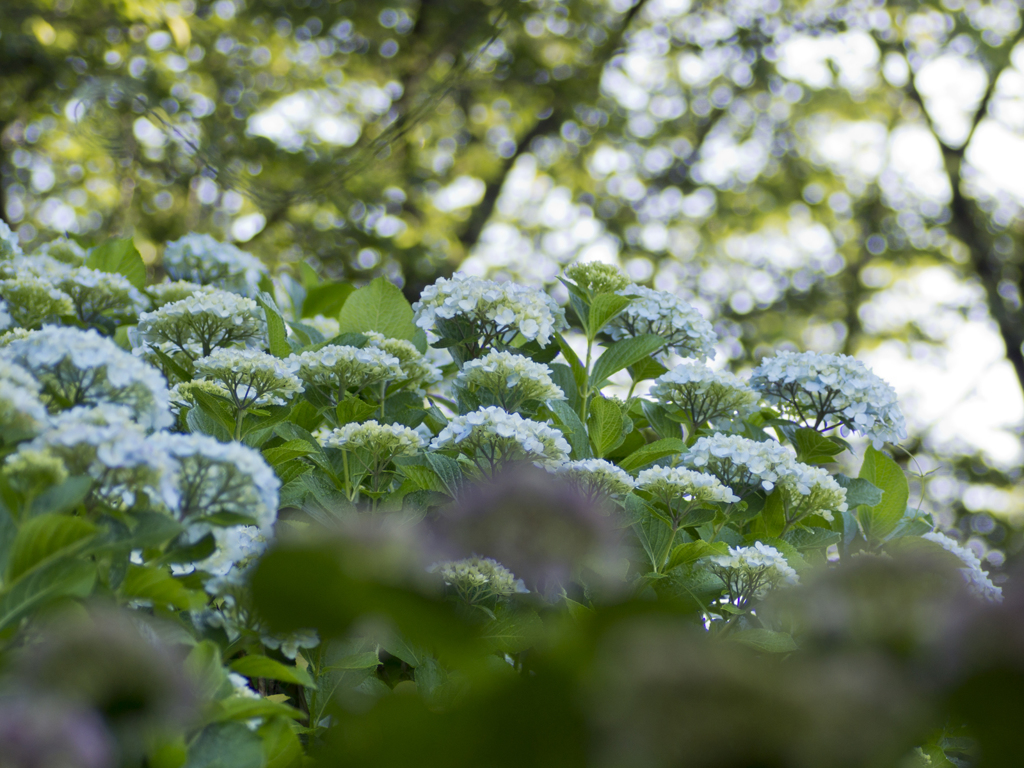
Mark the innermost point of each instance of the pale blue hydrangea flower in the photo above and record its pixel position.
(750, 572)
(509, 378)
(978, 582)
(201, 323)
(215, 478)
(684, 329)
(825, 391)
(251, 378)
(595, 479)
(682, 483)
(492, 436)
(10, 247)
(702, 395)
(76, 367)
(495, 312)
(106, 444)
(203, 259)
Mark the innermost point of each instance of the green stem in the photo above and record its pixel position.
(239, 418)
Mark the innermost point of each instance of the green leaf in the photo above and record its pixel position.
(859, 491)
(658, 418)
(353, 409)
(62, 578)
(622, 354)
(423, 477)
(572, 428)
(513, 631)
(45, 536)
(448, 470)
(561, 374)
(157, 585)
(692, 551)
(647, 368)
(281, 746)
(604, 425)
(654, 535)
(63, 497)
(659, 449)
(237, 708)
(814, 448)
(277, 333)
(253, 666)
(765, 640)
(880, 520)
(365, 660)
(379, 306)
(119, 257)
(204, 668)
(579, 373)
(603, 309)
(226, 745)
(326, 300)
(774, 513)
(292, 449)
(812, 538)
(200, 421)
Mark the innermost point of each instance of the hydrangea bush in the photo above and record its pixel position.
(163, 442)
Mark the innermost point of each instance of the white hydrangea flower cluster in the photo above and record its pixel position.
(703, 395)
(76, 367)
(496, 436)
(684, 329)
(596, 277)
(742, 464)
(978, 582)
(215, 477)
(95, 294)
(31, 471)
(595, 478)
(679, 482)
(10, 247)
(203, 259)
(22, 412)
(824, 391)
(105, 443)
(511, 379)
(31, 300)
(418, 373)
(495, 311)
(382, 440)
(477, 579)
(171, 291)
(183, 395)
(739, 462)
(750, 572)
(251, 378)
(342, 368)
(204, 321)
(64, 250)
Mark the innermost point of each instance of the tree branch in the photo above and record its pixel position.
(974, 235)
(483, 210)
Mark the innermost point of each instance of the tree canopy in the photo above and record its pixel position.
(828, 175)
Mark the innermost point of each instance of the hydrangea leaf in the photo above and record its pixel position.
(622, 354)
(45, 536)
(881, 519)
(651, 452)
(765, 640)
(277, 334)
(326, 300)
(604, 425)
(814, 448)
(62, 578)
(254, 666)
(120, 257)
(604, 307)
(379, 306)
